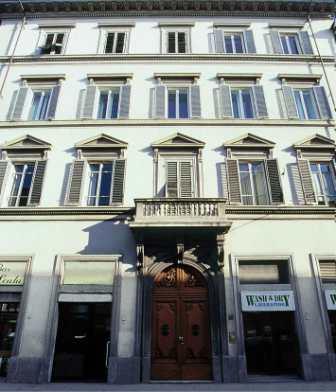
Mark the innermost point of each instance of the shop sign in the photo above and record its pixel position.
(12, 273)
(267, 301)
(89, 272)
(331, 299)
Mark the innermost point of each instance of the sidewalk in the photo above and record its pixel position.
(199, 387)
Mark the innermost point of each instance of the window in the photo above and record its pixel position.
(177, 42)
(324, 182)
(108, 105)
(40, 104)
(22, 184)
(290, 43)
(234, 43)
(328, 271)
(100, 183)
(253, 183)
(180, 178)
(306, 104)
(54, 43)
(178, 103)
(242, 103)
(263, 272)
(116, 42)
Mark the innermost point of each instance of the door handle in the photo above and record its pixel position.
(181, 339)
(108, 343)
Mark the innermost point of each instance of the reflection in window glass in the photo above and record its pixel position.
(100, 183)
(108, 105)
(306, 104)
(253, 183)
(324, 182)
(290, 43)
(178, 103)
(40, 104)
(242, 103)
(233, 43)
(22, 184)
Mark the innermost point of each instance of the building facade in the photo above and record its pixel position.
(167, 191)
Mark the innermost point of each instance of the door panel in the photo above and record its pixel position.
(180, 326)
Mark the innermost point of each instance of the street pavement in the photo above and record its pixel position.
(199, 387)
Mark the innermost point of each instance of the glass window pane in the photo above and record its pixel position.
(35, 105)
(259, 183)
(94, 175)
(44, 105)
(181, 40)
(171, 42)
(245, 183)
(247, 103)
(309, 104)
(327, 178)
(284, 44)
(238, 43)
(105, 184)
(120, 42)
(109, 43)
(115, 104)
(293, 44)
(235, 103)
(228, 44)
(49, 40)
(183, 104)
(172, 104)
(27, 181)
(299, 104)
(59, 38)
(102, 106)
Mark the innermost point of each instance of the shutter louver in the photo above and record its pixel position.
(118, 181)
(276, 42)
(225, 101)
(260, 102)
(125, 97)
(219, 41)
(328, 271)
(20, 103)
(75, 182)
(289, 99)
(224, 180)
(195, 100)
(307, 182)
(186, 188)
(274, 181)
(297, 184)
(171, 185)
(322, 102)
(160, 99)
(53, 102)
(36, 192)
(249, 40)
(89, 102)
(3, 169)
(233, 180)
(305, 42)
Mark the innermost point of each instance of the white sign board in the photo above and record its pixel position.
(267, 301)
(12, 273)
(331, 299)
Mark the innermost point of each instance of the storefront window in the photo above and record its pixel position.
(263, 272)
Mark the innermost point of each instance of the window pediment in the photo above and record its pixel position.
(101, 141)
(316, 142)
(249, 141)
(178, 140)
(26, 142)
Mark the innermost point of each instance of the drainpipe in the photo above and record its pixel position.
(23, 22)
(322, 62)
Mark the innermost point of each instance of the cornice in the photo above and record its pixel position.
(180, 58)
(94, 8)
(166, 122)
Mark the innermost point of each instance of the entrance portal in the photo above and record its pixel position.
(82, 343)
(180, 326)
(271, 344)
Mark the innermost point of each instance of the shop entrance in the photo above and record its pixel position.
(332, 318)
(82, 343)
(271, 344)
(180, 326)
(9, 312)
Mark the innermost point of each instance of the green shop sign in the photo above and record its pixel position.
(267, 301)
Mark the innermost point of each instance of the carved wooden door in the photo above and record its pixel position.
(180, 328)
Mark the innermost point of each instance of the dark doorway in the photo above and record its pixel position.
(271, 344)
(9, 312)
(82, 342)
(332, 318)
(180, 326)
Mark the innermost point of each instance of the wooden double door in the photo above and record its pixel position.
(181, 347)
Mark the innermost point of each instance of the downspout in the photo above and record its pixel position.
(23, 22)
(322, 62)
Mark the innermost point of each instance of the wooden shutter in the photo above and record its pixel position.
(225, 102)
(171, 42)
(118, 181)
(289, 99)
(249, 42)
(75, 182)
(276, 42)
(233, 180)
(322, 102)
(224, 180)
(89, 101)
(307, 182)
(305, 42)
(296, 184)
(125, 96)
(186, 183)
(20, 103)
(53, 102)
(160, 101)
(274, 180)
(328, 271)
(195, 99)
(171, 184)
(219, 41)
(35, 196)
(3, 170)
(260, 102)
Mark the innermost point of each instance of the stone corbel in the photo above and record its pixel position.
(220, 238)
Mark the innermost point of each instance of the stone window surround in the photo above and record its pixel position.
(118, 27)
(45, 29)
(183, 27)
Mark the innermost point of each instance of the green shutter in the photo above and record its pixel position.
(185, 183)
(274, 181)
(307, 182)
(233, 180)
(118, 181)
(75, 182)
(3, 170)
(171, 184)
(36, 192)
